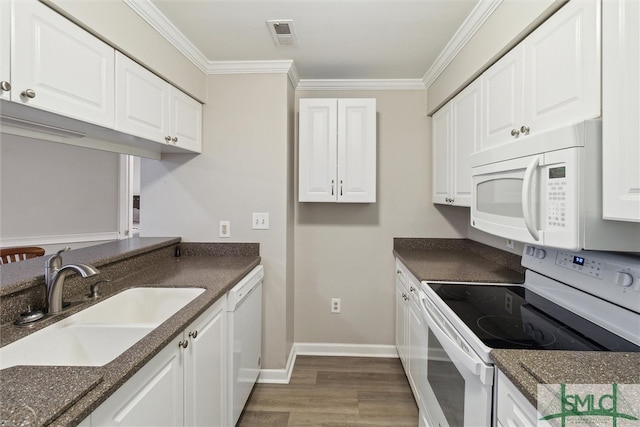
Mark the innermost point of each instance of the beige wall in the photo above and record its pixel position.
(508, 24)
(345, 250)
(117, 24)
(245, 167)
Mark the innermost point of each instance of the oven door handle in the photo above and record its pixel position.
(466, 356)
(526, 198)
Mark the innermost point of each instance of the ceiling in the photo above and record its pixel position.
(337, 39)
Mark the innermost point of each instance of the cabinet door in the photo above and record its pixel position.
(317, 150)
(204, 369)
(441, 140)
(68, 70)
(621, 110)
(502, 92)
(5, 49)
(465, 139)
(401, 311)
(562, 68)
(186, 121)
(152, 397)
(142, 101)
(356, 150)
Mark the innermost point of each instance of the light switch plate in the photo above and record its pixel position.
(260, 221)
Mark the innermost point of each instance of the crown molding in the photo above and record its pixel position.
(149, 13)
(361, 84)
(152, 16)
(478, 16)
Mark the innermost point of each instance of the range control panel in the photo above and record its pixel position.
(614, 277)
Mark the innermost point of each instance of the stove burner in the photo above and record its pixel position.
(468, 293)
(513, 330)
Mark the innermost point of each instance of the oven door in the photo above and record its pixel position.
(459, 386)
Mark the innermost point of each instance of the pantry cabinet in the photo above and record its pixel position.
(337, 150)
(58, 67)
(183, 385)
(149, 107)
(621, 110)
(456, 134)
(550, 79)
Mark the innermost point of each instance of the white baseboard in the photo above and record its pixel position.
(282, 376)
(354, 350)
(279, 376)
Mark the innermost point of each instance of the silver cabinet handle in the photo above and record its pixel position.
(174, 139)
(167, 138)
(193, 334)
(515, 132)
(341, 187)
(412, 289)
(29, 93)
(332, 185)
(525, 129)
(5, 86)
(398, 271)
(183, 344)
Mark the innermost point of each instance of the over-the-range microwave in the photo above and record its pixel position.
(546, 190)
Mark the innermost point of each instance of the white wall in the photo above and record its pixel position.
(245, 167)
(49, 189)
(345, 250)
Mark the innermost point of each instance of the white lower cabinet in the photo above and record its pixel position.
(513, 409)
(183, 385)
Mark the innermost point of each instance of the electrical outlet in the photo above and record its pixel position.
(260, 221)
(225, 228)
(335, 305)
(509, 244)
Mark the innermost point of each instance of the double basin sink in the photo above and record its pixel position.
(100, 333)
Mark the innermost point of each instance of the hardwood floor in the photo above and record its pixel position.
(335, 391)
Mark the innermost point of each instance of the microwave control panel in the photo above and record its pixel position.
(557, 197)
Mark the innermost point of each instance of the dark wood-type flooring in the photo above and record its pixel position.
(335, 391)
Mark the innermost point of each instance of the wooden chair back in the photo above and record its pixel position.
(9, 255)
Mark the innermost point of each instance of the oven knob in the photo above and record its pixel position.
(530, 250)
(540, 253)
(624, 279)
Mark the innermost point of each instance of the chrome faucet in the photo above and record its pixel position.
(54, 274)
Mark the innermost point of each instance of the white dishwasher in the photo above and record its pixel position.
(244, 335)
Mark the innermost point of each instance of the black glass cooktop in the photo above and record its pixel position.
(512, 317)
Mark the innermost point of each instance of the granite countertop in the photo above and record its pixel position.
(528, 368)
(457, 260)
(72, 393)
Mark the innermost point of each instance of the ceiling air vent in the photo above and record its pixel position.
(283, 32)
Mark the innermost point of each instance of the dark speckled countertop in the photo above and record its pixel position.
(72, 393)
(457, 260)
(528, 368)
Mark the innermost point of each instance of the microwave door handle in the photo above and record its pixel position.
(471, 363)
(526, 198)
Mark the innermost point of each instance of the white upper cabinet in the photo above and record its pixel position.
(59, 67)
(337, 150)
(621, 110)
(149, 107)
(551, 79)
(5, 50)
(502, 95)
(456, 134)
